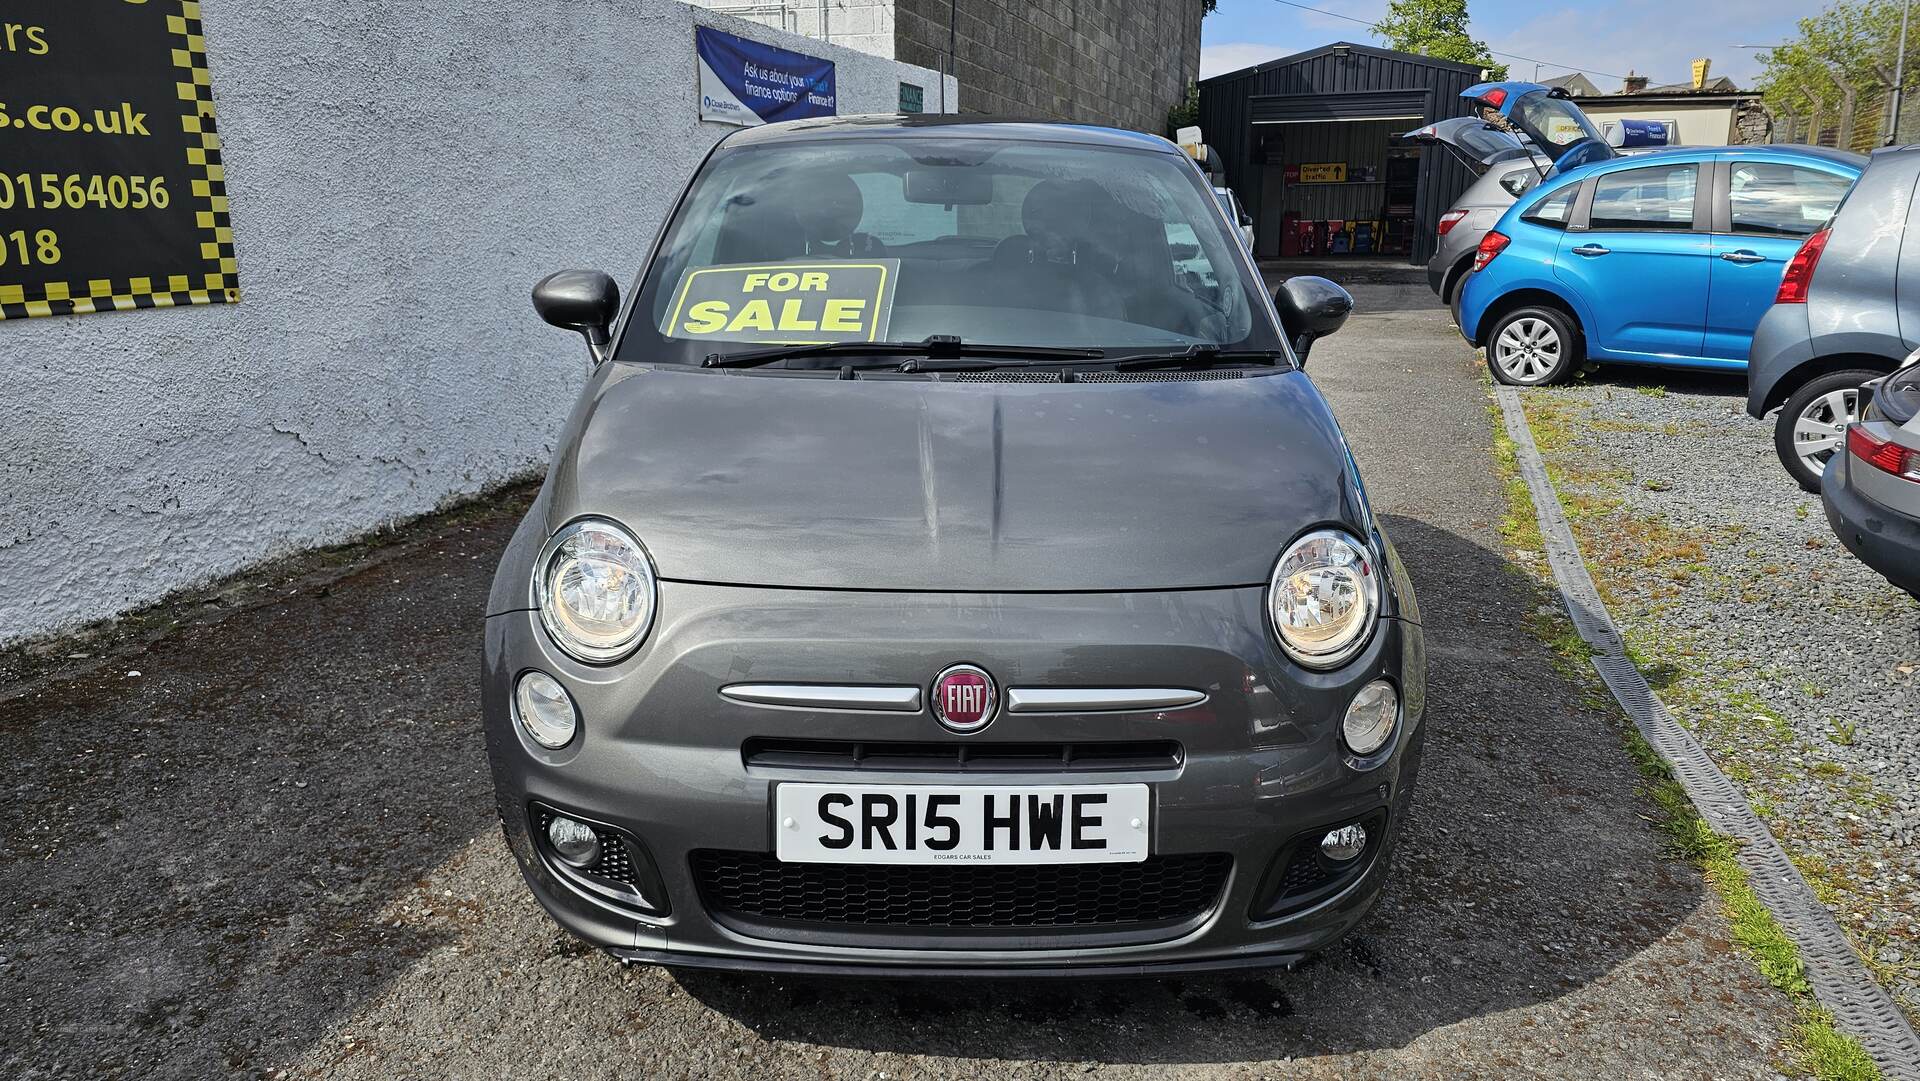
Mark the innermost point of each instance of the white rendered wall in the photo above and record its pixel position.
(400, 176)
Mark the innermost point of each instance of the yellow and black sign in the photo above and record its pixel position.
(1323, 172)
(112, 192)
(784, 303)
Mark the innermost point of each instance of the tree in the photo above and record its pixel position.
(1436, 28)
(1839, 71)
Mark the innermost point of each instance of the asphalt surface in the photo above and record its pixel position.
(271, 852)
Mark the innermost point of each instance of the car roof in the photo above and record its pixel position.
(1777, 152)
(945, 126)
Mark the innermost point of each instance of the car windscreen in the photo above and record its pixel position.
(996, 242)
(1554, 124)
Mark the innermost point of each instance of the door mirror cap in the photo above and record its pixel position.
(586, 301)
(1310, 309)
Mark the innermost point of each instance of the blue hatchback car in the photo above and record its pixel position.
(1667, 258)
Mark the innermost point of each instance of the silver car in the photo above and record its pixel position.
(940, 573)
(1871, 487)
(1848, 311)
(1507, 168)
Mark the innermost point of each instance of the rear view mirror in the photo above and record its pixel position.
(949, 185)
(586, 301)
(1310, 309)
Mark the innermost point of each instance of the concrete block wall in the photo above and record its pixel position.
(1117, 62)
(400, 176)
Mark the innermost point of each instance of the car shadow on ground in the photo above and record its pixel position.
(1528, 873)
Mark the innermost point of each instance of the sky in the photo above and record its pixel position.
(1656, 38)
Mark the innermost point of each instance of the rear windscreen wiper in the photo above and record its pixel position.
(938, 347)
(1200, 355)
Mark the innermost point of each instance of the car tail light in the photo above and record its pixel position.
(1883, 454)
(1450, 219)
(1799, 275)
(1491, 245)
(1495, 98)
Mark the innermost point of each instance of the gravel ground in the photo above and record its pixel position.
(1797, 666)
(261, 844)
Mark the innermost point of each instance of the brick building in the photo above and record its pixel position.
(1118, 62)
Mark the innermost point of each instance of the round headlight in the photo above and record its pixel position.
(595, 589)
(1323, 598)
(544, 710)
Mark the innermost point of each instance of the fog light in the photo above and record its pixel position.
(575, 842)
(1371, 717)
(544, 710)
(1344, 843)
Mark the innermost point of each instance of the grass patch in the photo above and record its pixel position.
(1830, 1054)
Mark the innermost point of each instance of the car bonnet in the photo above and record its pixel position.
(940, 485)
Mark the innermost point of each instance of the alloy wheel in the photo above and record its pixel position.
(1821, 427)
(1528, 350)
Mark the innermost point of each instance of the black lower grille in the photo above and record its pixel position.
(1161, 889)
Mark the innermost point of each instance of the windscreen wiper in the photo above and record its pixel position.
(938, 347)
(1200, 356)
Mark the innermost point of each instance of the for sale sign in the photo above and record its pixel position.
(112, 192)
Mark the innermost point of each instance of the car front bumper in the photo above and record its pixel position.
(660, 757)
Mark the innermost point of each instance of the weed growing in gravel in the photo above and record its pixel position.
(1652, 391)
(1833, 1055)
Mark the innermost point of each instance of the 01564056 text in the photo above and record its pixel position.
(76, 191)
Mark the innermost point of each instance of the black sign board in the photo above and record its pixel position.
(112, 192)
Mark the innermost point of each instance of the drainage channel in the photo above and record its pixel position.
(1860, 1006)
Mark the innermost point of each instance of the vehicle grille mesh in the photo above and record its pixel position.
(1161, 889)
(1159, 377)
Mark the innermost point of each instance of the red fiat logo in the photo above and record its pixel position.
(964, 698)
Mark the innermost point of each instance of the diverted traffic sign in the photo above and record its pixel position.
(112, 191)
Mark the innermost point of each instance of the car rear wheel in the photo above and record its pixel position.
(1454, 288)
(1812, 426)
(1531, 347)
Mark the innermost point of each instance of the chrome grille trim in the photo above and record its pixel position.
(1100, 699)
(857, 698)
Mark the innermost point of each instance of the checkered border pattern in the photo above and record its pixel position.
(218, 281)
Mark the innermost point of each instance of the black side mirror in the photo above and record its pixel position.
(1310, 309)
(586, 301)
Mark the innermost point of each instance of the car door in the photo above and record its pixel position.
(1762, 212)
(1637, 254)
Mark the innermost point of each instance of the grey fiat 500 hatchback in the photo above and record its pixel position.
(949, 568)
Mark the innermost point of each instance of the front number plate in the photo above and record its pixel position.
(1097, 823)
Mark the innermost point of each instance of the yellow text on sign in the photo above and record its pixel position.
(819, 302)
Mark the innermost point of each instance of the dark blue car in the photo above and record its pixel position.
(1667, 258)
